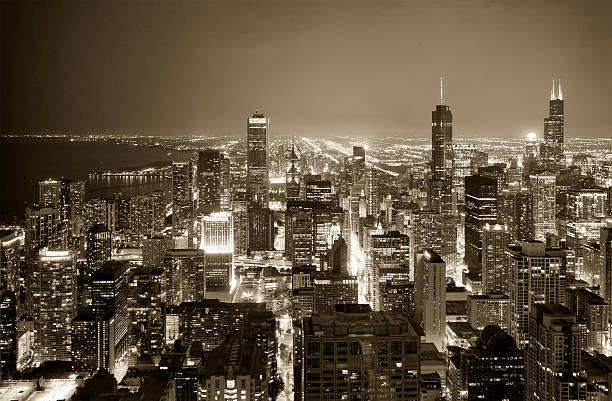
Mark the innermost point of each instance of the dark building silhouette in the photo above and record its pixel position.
(209, 181)
(552, 149)
(480, 209)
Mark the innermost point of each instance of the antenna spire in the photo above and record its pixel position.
(552, 95)
(441, 90)
(560, 93)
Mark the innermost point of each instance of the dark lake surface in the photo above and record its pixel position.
(26, 161)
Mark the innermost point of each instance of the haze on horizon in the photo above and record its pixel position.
(314, 67)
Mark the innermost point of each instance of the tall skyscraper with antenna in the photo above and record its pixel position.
(553, 147)
(440, 195)
(442, 140)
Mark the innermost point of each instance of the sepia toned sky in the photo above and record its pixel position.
(314, 67)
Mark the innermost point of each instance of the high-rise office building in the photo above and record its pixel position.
(147, 213)
(553, 358)
(110, 291)
(372, 191)
(210, 321)
(429, 229)
(49, 193)
(98, 246)
(552, 149)
(495, 239)
(516, 212)
(537, 276)
(430, 296)
(292, 175)
(153, 251)
(184, 276)
(146, 311)
(11, 243)
(92, 345)
(605, 251)
(480, 210)
(318, 190)
(257, 159)
(489, 309)
(359, 163)
(442, 141)
(543, 191)
(492, 369)
(348, 344)
(240, 220)
(182, 195)
(585, 215)
(72, 197)
(53, 304)
(235, 367)
(218, 246)
(209, 181)
(8, 334)
(260, 230)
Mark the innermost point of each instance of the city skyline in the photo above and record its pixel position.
(317, 69)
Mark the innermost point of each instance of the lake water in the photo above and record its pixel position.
(26, 161)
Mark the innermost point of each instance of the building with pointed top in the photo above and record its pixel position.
(552, 149)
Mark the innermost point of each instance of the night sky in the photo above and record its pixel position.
(314, 67)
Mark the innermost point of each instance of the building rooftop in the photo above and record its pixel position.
(358, 320)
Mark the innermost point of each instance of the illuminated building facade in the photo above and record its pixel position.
(184, 276)
(210, 321)
(537, 276)
(49, 193)
(147, 214)
(236, 370)
(182, 195)
(318, 190)
(53, 304)
(348, 344)
(543, 191)
(8, 334)
(488, 309)
(110, 291)
(218, 246)
(334, 289)
(553, 357)
(430, 296)
(153, 251)
(495, 239)
(11, 241)
(92, 346)
(98, 246)
(429, 229)
(257, 159)
(146, 311)
(260, 234)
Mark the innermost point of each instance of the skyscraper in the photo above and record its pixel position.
(182, 195)
(292, 176)
(553, 146)
(442, 141)
(49, 193)
(98, 246)
(495, 239)
(218, 245)
(537, 276)
(359, 163)
(184, 276)
(53, 304)
(480, 210)
(209, 181)
(543, 187)
(257, 159)
(430, 296)
(351, 342)
(554, 360)
(110, 296)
